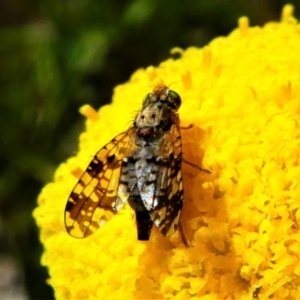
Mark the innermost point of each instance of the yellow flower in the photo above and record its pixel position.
(242, 95)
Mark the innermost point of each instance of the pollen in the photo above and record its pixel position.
(241, 95)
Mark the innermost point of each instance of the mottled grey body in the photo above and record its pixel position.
(144, 172)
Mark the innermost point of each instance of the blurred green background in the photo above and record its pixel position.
(58, 55)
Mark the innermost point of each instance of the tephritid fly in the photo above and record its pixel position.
(142, 166)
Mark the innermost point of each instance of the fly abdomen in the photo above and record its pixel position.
(144, 225)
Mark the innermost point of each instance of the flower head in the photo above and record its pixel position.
(242, 95)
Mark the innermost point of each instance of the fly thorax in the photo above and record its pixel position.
(153, 121)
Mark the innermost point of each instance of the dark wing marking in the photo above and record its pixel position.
(94, 199)
(169, 188)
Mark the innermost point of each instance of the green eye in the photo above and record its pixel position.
(175, 99)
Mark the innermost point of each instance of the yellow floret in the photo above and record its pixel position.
(242, 95)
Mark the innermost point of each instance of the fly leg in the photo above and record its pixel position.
(186, 243)
(195, 166)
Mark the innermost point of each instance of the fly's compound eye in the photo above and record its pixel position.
(146, 100)
(174, 100)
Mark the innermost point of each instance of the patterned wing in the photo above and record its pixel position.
(169, 188)
(94, 198)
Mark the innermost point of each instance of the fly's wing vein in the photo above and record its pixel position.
(170, 193)
(94, 199)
